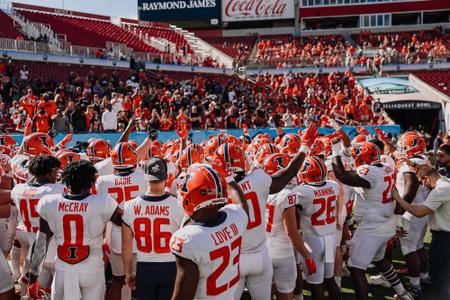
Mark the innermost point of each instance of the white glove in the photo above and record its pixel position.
(336, 149)
(334, 124)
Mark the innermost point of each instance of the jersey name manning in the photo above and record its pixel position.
(216, 251)
(78, 224)
(318, 207)
(278, 243)
(122, 187)
(153, 220)
(26, 197)
(255, 186)
(374, 211)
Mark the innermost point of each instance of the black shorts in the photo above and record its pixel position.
(155, 280)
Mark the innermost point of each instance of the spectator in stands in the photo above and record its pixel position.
(47, 105)
(7, 89)
(24, 75)
(60, 122)
(109, 119)
(41, 121)
(288, 118)
(78, 119)
(155, 120)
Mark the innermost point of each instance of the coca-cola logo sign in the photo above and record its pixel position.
(248, 10)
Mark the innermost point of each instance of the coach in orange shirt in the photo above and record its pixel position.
(48, 105)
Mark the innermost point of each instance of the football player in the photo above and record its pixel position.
(256, 269)
(26, 197)
(317, 198)
(207, 251)
(77, 219)
(150, 220)
(6, 277)
(412, 146)
(282, 231)
(125, 184)
(374, 214)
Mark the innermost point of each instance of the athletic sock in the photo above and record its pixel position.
(338, 280)
(394, 280)
(415, 282)
(15, 261)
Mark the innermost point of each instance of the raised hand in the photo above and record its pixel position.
(309, 135)
(183, 132)
(381, 134)
(28, 129)
(363, 131)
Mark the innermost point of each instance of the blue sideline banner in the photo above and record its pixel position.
(202, 135)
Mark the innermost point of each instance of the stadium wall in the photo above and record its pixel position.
(202, 135)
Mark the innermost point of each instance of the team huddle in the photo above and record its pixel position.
(179, 220)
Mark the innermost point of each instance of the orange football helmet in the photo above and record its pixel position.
(313, 170)
(290, 144)
(7, 141)
(234, 140)
(211, 147)
(365, 153)
(188, 157)
(411, 144)
(359, 139)
(155, 151)
(275, 162)
(134, 143)
(124, 156)
(202, 187)
(318, 148)
(38, 143)
(5, 155)
(264, 151)
(66, 156)
(98, 149)
(228, 158)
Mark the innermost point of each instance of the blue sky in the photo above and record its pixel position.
(117, 8)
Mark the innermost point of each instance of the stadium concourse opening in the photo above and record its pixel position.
(415, 114)
(407, 104)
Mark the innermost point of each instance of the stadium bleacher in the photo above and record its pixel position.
(7, 27)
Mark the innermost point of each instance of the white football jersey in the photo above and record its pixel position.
(318, 207)
(153, 220)
(78, 223)
(256, 187)
(278, 243)
(104, 167)
(422, 191)
(122, 187)
(374, 207)
(19, 168)
(26, 197)
(215, 250)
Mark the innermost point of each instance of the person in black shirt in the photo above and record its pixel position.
(443, 160)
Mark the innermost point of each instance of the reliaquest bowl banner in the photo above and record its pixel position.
(162, 10)
(256, 10)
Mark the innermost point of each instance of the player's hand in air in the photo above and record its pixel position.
(309, 135)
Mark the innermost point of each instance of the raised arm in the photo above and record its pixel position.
(350, 178)
(38, 250)
(281, 178)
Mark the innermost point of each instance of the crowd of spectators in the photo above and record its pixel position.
(407, 47)
(99, 103)
(370, 49)
(286, 51)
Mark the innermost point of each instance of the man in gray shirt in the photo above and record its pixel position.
(61, 123)
(437, 206)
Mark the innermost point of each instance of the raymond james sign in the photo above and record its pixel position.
(256, 10)
(160, 10)
(407, 105)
